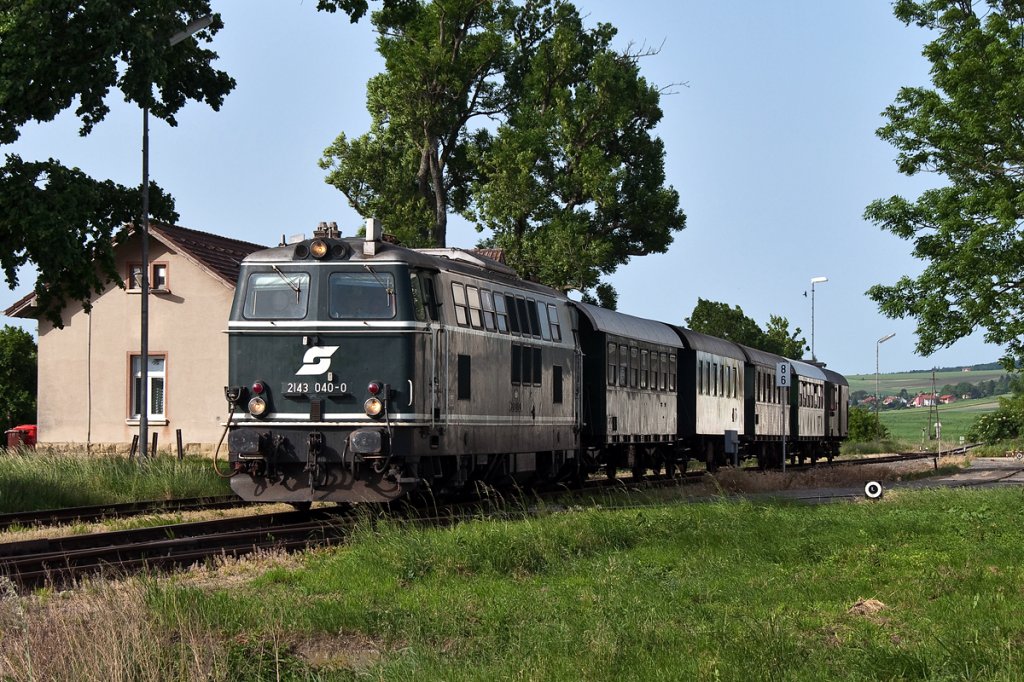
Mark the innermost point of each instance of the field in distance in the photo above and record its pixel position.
(956, 418)
(919, 382)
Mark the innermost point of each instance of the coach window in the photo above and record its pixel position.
(461, 309)
(524, 316)
(501, 313)
(531, 312)
(613, 362)
(634, 366)
(277, 295)
(464, 374)
(475, 317)
(488, 303)
(671, 371)
(556, 329)
(517, 363)
(538, 367)
(623, 365)
(417, 297)
(513, 314)
(707, 377)
(541, 312)
(655, 371)
(527, 353)
(556, 384)
(644, 368)
(714, 378)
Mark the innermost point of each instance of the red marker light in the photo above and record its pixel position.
(373, 388)
(258, 387)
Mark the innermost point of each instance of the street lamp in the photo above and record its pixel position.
(814, 280)
(193, 28)
(877, 346)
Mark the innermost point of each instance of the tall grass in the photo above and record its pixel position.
(43, 480)
(924, 585)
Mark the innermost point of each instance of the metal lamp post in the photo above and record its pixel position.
(190, 30)
(814, 280)
(877, 346)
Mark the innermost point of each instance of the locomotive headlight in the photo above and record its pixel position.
(373, 407)
(257, 406)
(318, 248)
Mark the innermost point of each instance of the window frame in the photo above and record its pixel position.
(153, 376)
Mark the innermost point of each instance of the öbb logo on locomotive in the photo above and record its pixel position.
(361, 370)
(316, 361)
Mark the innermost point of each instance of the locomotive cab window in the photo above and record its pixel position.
(362, 295)
(276, 295)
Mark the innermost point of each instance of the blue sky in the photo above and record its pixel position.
(769, 140)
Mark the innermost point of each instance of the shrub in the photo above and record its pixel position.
(865, 426)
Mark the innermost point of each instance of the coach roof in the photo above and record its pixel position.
(620, 324)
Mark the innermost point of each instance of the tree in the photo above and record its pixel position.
(521, 120)
(443, 66)
(54, 55)
(18, 362)
(573, 185)
(967, 130)
(780, 341)
(718, 319)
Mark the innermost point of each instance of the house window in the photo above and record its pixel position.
(156, 380)
(157, 277)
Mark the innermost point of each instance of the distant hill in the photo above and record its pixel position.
(958, 368)
(920, 381)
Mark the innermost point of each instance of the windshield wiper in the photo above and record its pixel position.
(391, 291)
(292, 285)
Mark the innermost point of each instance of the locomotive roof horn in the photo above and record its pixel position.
(327, 231)
(374, 231)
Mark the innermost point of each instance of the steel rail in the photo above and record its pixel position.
(30, 563)
(45, 517)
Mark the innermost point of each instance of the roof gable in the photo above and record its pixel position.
(219, 256)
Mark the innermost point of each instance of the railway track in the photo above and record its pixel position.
(59, 561)
(46, 517)
(31, 563)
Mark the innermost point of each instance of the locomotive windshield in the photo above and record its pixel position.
(366, 295)
(276, 295)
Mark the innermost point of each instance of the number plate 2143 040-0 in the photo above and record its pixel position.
(314, 388)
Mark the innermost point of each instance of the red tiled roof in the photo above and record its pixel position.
(220, 255)
(494, 254)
